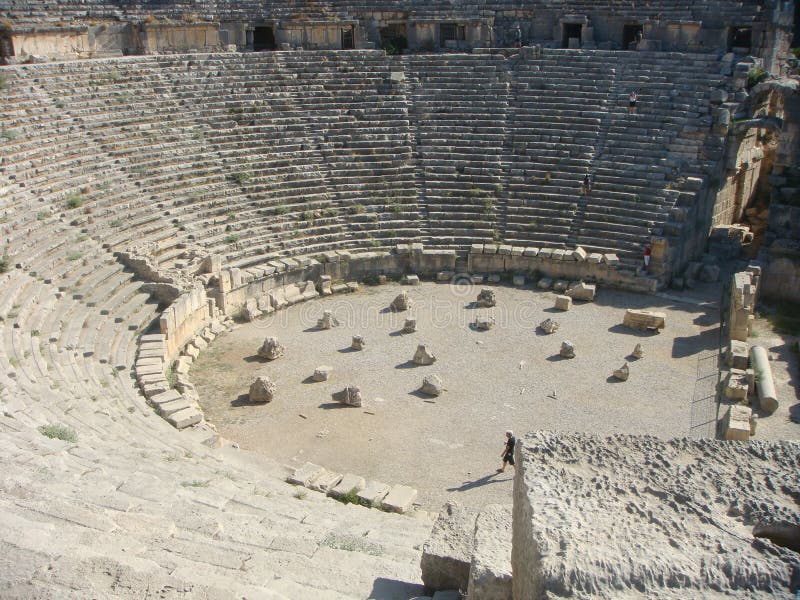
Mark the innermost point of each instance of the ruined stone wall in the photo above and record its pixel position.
(188, 315)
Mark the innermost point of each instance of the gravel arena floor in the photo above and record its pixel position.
(510, 377)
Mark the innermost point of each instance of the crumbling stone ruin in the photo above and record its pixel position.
(351, 396)
(487, 298)
(262, 390)
(423, 356)
(549, 326)
(644, 320)
(410, 326)
(401, 302)
(638, 352)
(484, 322)
(432, 385)
(322, 373)
(583, 291)
(563, 303)
(271, 349)
(327, 321)
(358, 342)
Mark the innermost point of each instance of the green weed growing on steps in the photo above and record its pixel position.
(74, 200)
(300, 494)
(195, 483)
(172, 376)
(4, 263)
(59, 432)
(755, 76)
(3, 83)
(350, 497)
(351, 543)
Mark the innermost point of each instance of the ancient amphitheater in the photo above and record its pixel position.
(593, 210)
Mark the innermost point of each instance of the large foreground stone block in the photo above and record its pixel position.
(399, 499)
(447, 555)
(490, 569)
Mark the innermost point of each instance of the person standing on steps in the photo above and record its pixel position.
(647, 252)
(588, 180)
(508, 452)
(632, 98)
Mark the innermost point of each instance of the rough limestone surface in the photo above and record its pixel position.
(351, 396)
(423, 356)
(262, 390)
(271, 349)
(432, 385)
(447, 554)
(401, 302)
(250, 311)
(327, 320)
(567, 349)
(623, 372)
(635, 516)
(549, 326)
(487, 298)
(358, 342)
(490, 569)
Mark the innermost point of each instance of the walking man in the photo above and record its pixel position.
(508, 452)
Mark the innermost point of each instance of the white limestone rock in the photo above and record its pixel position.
(271, 349)
(327, 321)
(432, 385)
(638, 352)
(322, 373)
(262, 390)
(401, 302)
(622, 373)
(358, 343)
(487, 298)
(423, 356)
(567, 349)
(549, 326)
(351, 396)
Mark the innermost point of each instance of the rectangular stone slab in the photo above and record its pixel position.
(305, 474)
(373, 493)
(399, 499)
(185, 418)
(325, 481)
(348, 483)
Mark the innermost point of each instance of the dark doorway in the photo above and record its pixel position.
(348, 39)
(393, 38)
(631, 34)
(452, 32)
(571, 30)
(740, 37)
(263, 39)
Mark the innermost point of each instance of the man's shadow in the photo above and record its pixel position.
(485, 480)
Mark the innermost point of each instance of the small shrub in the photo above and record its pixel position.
(755, 76)
(75, 200)
(301, 494)
(488, 206)
(74, 255)
(231, 239)
(59, 432)
(195, 483)
(42, 215)
(172, 376)
(241, 177)
(59, 104)
(8, 134)
(308, 215)
(396, 209)
(357, 209)
(116, 223)
(4, 263)
(350, 497)
(281, 210)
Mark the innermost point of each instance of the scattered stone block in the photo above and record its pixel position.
(410, 326)
(325, 481)
(493, 278)
(545, 283)
(487, 298)
(563, 303)
(584, 292)
(271, 349)
(644, 320)
(412, 280)
(432, 385)
(561, 285)
(736, 385)
(327, 321)
(447, 555)
(250, 310)
(579, 254)
(306, 474)
(530, 252)
(358, 342)
(262, 390)
(484, 323)
(373, 493)
(518, 280)
(567, 349)
(638, 352)
(476, 249)
(399, 499)
(348, 483)
(322, 373)
(737, 423)
(325, 282)
(445, 275)
(622, 373)
(423, 356)
(351, 396)
(738, 355)
(401, 302)
(612, 260)
(549, 326)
